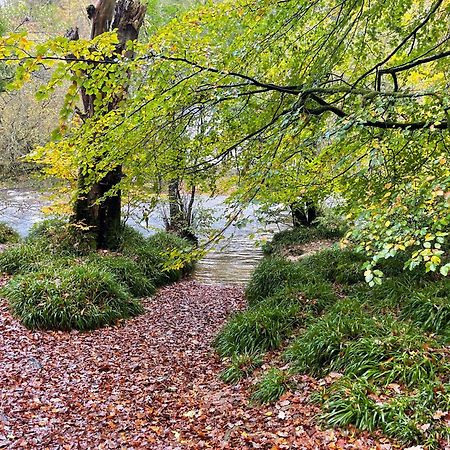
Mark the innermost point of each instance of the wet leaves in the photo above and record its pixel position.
(151, 382)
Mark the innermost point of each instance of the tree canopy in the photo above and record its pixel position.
(295, 99)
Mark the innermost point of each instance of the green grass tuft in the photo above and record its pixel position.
(81, 298)
(241, 366)
(22, 258)
(258, 329)
(8, 235)
(126, 271)
(323, 342)
(271, 386)
(61, 238)
(429, 308)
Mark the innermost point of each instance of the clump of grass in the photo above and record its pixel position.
(241, 366)
(130, 239)
(81, 298)
(398, 354)
(409, 417)
(61, 238)
(274, 383)
(8, 235)
(153, 256)
(323, 342)
(126, 271)
(336, 265)
(272, 275)
(429, 308)
(301, 235)
(258, 329)
(22, 258)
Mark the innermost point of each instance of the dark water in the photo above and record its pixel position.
(230, 262)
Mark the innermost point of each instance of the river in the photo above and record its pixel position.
(231, 262)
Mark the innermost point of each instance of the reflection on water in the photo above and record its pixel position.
(231, 262)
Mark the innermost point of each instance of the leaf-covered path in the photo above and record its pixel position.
(150, 383)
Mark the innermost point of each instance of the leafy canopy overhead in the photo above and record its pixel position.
(297, 99)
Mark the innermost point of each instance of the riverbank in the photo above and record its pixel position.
(149, 383)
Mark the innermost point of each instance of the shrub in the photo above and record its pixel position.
(153, 256)
(82, 298)
(58, 237)
(8, 235)
(271, 386)
(286, 238)
(336, 265)
(130, 240)
(398, 354)
(302, 235)
(126, 271)
(258, 329)
(241, 366)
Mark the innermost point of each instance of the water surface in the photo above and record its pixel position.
(230, 262)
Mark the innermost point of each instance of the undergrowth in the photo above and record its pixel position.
(8, 235)
(59, 282)
(81, 298)
(386, 347)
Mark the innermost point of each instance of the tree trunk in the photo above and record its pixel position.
(94, 208)
(180, 216)
(303, 214)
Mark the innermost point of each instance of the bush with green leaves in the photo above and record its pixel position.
(271, 275)
(8, 235)
(273, 384)
(336, 266)
(411, 417)
(429, 307)
(302, 235)
(82, 297)
(323, 342)
(22, 258)
(153, 257)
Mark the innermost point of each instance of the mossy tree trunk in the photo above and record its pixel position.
(99, 205)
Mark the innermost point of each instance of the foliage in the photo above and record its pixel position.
(271, 386)
(59, 237)
(126, 271)
(7, 234)
(258, 329)
(429, 307)
(324, 341)
(300, 235)
(410, 417)
(241, 366)
(160, 257)
(271, 275)
(81, 298)
(22, 258)
(311, 117)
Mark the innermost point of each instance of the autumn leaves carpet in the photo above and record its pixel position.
(149, 383)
